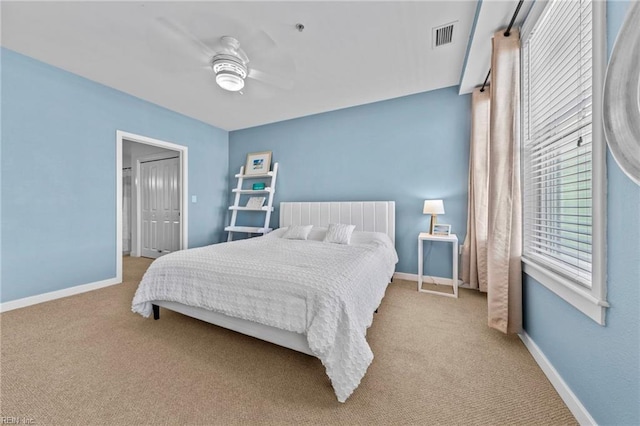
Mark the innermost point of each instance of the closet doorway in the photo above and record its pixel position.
(151, 197)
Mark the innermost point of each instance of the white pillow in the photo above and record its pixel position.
(339, 233)
(297, 232)
(317, 233)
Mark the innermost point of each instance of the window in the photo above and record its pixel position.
(563, 151)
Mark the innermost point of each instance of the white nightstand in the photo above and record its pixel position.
(453, 239)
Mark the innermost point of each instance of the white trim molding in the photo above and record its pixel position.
(570, 399)
(58, 294)
(183, 151)
(582, 300)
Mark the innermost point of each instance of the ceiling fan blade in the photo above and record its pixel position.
(258, 90)
(167, 51)
(280, 82)
(277, 69)
(180, 33)
(257, 43)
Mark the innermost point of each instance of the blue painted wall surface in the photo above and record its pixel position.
(59, 171)
(600, 364)
(407, 149)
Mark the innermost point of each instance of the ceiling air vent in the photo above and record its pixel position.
(443, 35)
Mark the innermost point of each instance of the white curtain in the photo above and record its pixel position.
(474, 249)
(492, 250)
(126, 210)
(504, 243)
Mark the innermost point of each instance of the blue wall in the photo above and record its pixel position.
(600, 364)
(59, 170)
(407, 149)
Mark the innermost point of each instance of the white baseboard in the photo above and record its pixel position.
(427, 279)
(573, 403)
(58, 294)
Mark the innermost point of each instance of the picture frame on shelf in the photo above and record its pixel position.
(258, 163)
(441, 229)
(255, 202)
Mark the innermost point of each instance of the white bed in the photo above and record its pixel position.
(301, 314)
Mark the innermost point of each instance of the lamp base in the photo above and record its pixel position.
(433, 223)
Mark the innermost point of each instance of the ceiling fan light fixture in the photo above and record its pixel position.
(230, 73)
(229, 81)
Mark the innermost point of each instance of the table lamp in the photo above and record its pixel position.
(434, 208)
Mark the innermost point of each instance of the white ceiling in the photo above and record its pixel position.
(350, 53)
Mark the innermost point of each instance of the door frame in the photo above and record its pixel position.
(183, 153)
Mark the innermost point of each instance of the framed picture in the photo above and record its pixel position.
(258, 163)
(441, 229)
(255, 202)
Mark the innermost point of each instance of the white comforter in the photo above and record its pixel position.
(326, 291)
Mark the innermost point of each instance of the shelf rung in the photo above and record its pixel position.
(260, 209)
(248, 229)
(252, 191)
(262, 176)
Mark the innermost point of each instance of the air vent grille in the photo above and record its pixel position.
(443, 35)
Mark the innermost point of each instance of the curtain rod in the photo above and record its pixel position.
(159, 159)
(507, 33)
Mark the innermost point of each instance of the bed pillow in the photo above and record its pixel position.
(339, 233)
(297, 232)
(317, 233)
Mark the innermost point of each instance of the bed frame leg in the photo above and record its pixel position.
(156, 312)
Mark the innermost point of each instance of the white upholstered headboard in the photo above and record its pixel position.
(375, 216)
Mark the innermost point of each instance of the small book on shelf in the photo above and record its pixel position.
(255, 202)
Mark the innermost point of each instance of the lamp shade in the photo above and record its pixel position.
(433, 207)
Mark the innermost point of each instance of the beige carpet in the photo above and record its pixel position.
(88, 360)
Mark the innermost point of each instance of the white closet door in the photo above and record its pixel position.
(160, 207)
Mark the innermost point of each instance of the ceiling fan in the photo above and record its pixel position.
(229, 61)
(230, 65)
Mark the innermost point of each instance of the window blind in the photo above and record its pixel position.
(557, 74)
